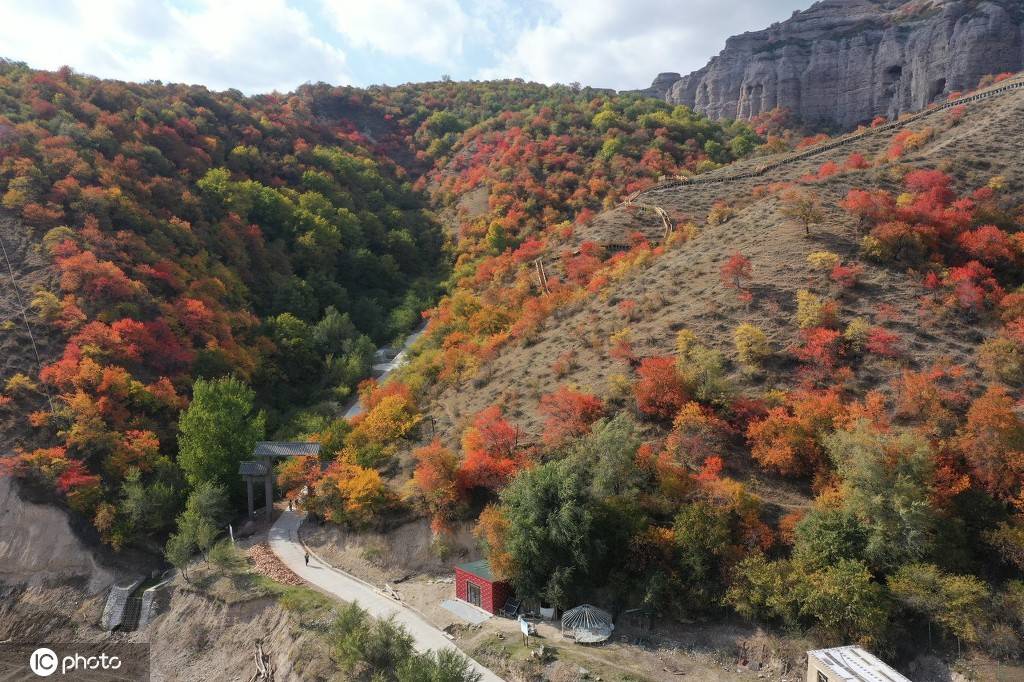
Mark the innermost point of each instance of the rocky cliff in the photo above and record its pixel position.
(843, 62)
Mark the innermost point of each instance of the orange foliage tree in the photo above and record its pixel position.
(992, 443)
(296, 473)
(569, 414)
(788, 438)
(933, 396)
(492, 453)
(697, 435)
(659, 390)
(435, 483)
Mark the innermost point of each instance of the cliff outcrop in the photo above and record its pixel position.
(843, 62)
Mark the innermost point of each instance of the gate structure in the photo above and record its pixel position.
(260, 469)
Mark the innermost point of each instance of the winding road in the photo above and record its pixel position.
(382, 370)
(284, 542)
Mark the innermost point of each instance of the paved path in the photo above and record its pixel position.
(381, 371)
(285, 544)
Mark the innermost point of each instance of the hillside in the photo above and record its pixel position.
(682, 288)
(161, 235)
(841, 62)
(781, 385)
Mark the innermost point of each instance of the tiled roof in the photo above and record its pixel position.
(252, 469)
(285, 449)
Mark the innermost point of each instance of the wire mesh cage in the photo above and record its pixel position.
(587, 624)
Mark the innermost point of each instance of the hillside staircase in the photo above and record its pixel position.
(131, 606)
(132, 612)
(117, 602)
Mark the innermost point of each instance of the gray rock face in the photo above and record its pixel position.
(663, 82)
(843, 62)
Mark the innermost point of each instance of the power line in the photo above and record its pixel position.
(24, 316)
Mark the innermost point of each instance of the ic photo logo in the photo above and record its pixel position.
(71, 661)
(43, 662)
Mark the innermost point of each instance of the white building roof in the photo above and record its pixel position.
(855, 664)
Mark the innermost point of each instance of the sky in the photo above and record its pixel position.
(264, 45)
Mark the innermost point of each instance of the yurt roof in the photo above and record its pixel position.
(588, 623)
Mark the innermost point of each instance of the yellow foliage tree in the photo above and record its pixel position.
(491, 528)
(856, 334)
(751, 344)
(813, 311)
(823, 260)
(374, 437)
(348, 493)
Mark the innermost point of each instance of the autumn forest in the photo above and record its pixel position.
(791, 451)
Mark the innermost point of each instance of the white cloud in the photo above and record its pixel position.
(623, 43)
(252, 45)
(260, 45)
(434, 31)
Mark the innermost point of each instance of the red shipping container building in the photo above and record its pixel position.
(474, 583)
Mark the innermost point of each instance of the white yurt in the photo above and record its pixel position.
(587, 624)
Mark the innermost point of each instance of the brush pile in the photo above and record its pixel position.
(266, 563)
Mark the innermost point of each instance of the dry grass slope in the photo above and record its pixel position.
(32, 271)
(682, 289)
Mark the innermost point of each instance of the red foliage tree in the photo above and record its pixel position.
(569, 414)
(828, 169)
(930, 181)
(847, 276)
(869, 206)
(974, 286)
(883, 343)
(856, 161)
(660, 391)
(820, 348)
(492, 455)
(580, 268)
(735, 271)
(988, 244)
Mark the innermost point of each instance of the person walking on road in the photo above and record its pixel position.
(307, 558)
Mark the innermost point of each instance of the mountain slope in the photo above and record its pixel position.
(800, 402)
(166, 234)
(682, 289)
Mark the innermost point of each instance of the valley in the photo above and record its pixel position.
(739, 369)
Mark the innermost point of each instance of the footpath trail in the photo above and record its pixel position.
(284, 542)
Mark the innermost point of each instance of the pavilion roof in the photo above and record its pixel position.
(252, 469)
(285, 449)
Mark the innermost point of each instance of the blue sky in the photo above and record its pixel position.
(263, 45)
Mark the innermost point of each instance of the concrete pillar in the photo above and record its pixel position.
(268, 487)
(248, 489)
